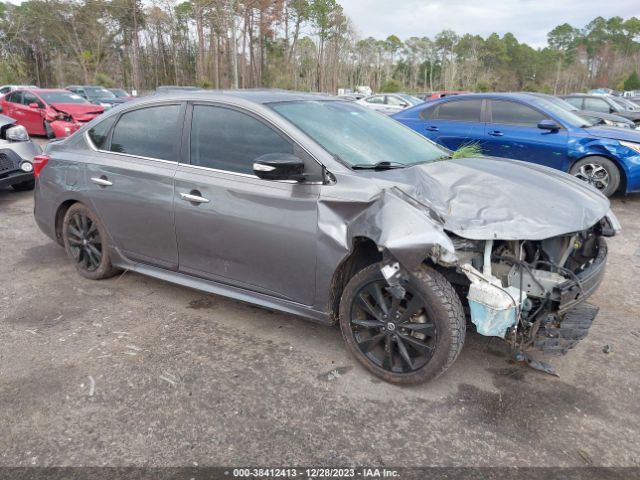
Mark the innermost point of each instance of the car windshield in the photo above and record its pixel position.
(98, 92)
(571, 108)
(119, 93)
(357, 135)
(625, 103)
(61, 97)
(565, 116)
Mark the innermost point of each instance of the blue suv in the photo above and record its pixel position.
(529, 128)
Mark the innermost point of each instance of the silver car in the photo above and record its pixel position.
(389, 103)
(324, 209)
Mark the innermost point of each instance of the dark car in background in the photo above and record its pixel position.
(596, 118)
(97, 95)
(602, 103)
(526, 127)
(55, 113)
(17, 152)
(325, 209)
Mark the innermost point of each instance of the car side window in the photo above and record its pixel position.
(148, 132)
(512, 113)
(596, 105)
(100, 133)
(459, 110)
(229, 140)
(29, 98)
(395, 101)
(575, 101)
(15, 97)
(378, 100)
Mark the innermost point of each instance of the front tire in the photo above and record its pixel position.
(600, 172)
(84, 239)
(406, 341)
(24, 186)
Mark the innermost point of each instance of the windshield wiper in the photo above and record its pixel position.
(378, 166)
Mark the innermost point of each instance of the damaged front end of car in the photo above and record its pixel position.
(533, 293)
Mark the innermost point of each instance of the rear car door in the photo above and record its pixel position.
(244, 231)
(9, 104)
(512, 132)
(130, 178)
(454, 123)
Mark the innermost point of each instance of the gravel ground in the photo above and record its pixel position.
(136, 371)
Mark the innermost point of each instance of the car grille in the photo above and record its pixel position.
(5, 163)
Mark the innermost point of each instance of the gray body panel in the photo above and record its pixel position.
(279, 244)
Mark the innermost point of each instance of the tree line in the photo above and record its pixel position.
(306, 45)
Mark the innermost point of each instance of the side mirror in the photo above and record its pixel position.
(34, 105)
(404, 105)
(547, 124)
(279, 166)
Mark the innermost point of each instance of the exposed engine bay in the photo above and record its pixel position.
(532, 293)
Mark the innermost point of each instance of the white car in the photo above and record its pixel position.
(4, 89)
(389, 103)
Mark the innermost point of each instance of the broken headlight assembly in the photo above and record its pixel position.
(532, 293)
(17, 134)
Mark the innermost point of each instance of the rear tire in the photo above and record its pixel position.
(24, 186)
(600, 172)
(428, 328)
(84, 239)
(48, 130)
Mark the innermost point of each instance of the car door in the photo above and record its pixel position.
(32, 116)
(130, 180)
(454, 123)
(241, 230)
(512, 132)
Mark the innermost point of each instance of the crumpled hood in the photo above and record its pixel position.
(491, 198)
(79, 111)
(614, 133)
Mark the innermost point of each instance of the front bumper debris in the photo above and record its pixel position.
(557, 338)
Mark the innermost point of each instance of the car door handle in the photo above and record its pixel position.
(496, 133)
(193, 198)
(432, 128)
(103, 182)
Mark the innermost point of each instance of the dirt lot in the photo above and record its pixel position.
(135, 371)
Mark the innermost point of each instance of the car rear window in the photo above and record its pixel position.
(459, 110)
(512, 113)
(148, 132)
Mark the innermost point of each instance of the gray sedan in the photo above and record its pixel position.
(327, 210)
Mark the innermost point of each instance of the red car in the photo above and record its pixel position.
(55, 113)
(427, 97)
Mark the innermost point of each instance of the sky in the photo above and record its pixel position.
(528, 20)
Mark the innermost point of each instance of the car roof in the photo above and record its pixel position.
(253, 95)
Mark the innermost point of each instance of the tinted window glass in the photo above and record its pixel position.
(229, 140)
(596, 105)
(463, 111)
(148, 132)
(4, 90)
(100, 132)
(575, 101)
(396, 101)
(29, 98)
(378, 100)
(15, 97)
(512, 113)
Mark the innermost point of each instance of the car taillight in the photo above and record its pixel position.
(39, 161)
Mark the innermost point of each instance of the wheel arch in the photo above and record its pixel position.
(59, 217)
(364, 252)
